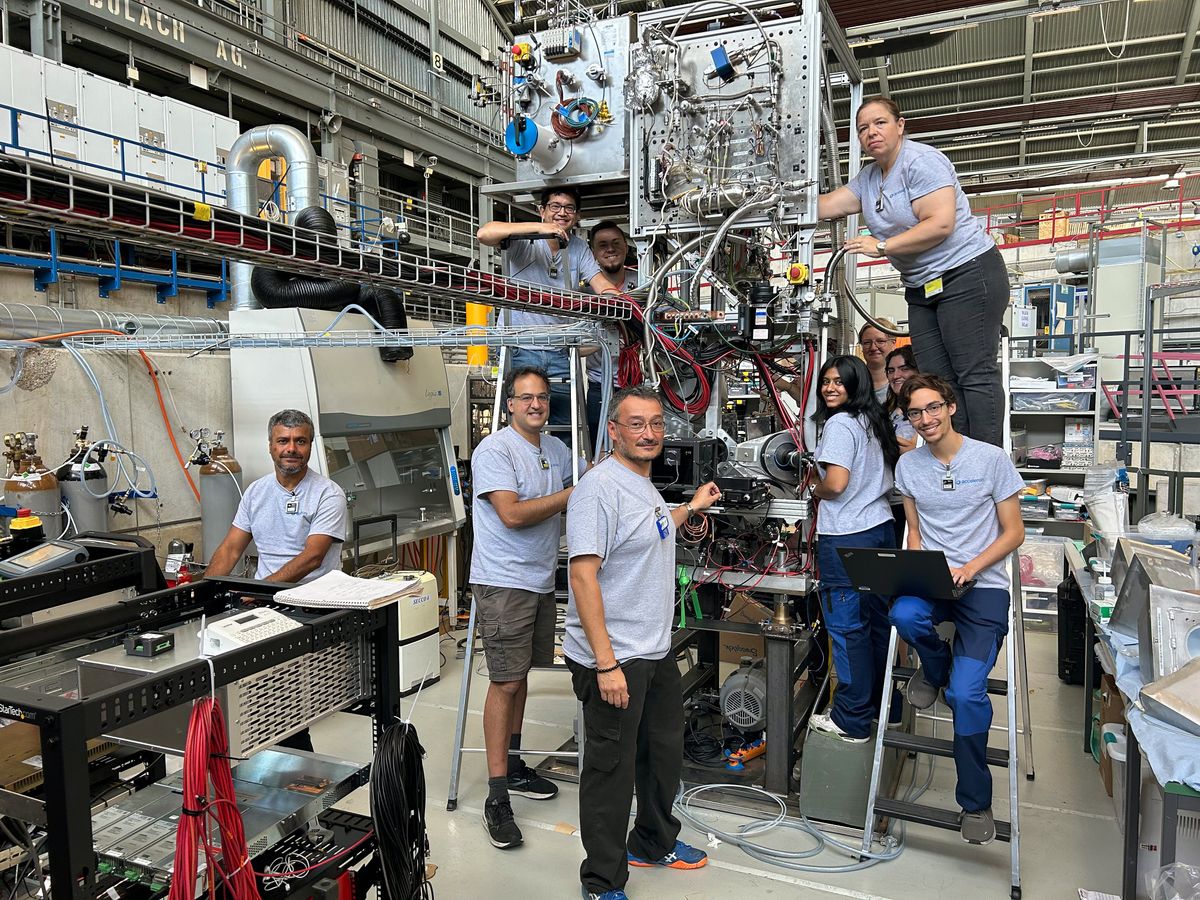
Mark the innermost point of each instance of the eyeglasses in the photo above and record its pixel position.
(882, 342)
(568, 208)
(892, 370)
(526, 399)
(637, 426)
(914, 415)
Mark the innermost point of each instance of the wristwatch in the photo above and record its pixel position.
(688, 506)
(881, 248)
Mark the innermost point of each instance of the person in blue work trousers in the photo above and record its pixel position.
(960, 497)
(854, 457)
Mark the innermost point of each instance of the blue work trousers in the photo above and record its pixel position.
(858, 630)
(980, 620)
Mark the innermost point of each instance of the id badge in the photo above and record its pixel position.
(662, 523)
(948, 481)
(293, 507)
(545, 463)
(933, 288)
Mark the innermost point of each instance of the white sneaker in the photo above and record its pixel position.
(826, 725)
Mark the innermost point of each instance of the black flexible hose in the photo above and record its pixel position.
(277, 289)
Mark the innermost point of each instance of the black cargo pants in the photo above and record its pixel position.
(640, 747)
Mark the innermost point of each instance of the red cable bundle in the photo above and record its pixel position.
(207, 757)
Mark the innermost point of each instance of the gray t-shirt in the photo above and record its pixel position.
(961, 522)
(280, 521)
(615, 514)
(529, 261)
(592, 361)
(919, 170)
(847, 442)
(522, 558)
(881, 394)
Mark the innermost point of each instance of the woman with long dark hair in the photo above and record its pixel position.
(855, 458)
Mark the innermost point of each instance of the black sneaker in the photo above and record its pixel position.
(528, 783)
(501, 827)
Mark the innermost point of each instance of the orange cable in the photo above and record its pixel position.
(157, 392)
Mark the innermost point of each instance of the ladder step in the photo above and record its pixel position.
(931, 816)
(922, 743)
(994, 685)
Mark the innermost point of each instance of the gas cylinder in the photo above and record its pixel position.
(84, 486)
(30, 484)
(220, 488)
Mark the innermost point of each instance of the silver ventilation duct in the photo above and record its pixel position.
(248, 153)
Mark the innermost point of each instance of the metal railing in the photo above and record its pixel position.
(53, 197)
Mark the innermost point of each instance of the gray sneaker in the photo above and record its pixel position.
(921, 694)
(978, 827)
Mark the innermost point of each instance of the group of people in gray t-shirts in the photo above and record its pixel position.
(958, 495)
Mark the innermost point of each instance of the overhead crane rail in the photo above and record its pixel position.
(46, 196)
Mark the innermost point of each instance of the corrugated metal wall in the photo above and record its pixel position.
(388, 39)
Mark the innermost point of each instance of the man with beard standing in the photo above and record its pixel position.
(611, 249)
(296, 517)
(621, 543)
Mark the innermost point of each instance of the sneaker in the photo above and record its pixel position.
(501, 826)
(607, 895)
(683, 856)
(978, 827)
(921, 694)
(528, 783)
(825, 724)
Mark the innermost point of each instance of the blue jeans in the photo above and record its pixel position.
(557, 366)
(980, 619)
(957, 335)
(858, 629)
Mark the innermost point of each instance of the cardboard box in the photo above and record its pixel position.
(1079, 430)
(1112, 711)
(735, 646)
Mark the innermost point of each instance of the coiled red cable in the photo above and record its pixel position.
(206, 758)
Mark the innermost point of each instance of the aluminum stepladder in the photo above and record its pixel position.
(579, 445)
(1016, 681)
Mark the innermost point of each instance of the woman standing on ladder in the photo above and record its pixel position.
(954, 277)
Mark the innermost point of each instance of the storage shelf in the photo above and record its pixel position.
(1024, 469)
(1030, 611)
(1057, 390)
(1039, 590)
(1054, 412)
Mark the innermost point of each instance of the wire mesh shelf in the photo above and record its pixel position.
(535, 337)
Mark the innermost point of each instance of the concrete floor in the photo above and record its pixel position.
(1069, 837)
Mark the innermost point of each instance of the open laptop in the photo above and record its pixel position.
(894, 573)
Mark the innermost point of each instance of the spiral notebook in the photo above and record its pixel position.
(337, 590)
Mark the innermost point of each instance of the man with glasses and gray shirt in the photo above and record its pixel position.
(621, 542)
(561, 262)
(520, 479)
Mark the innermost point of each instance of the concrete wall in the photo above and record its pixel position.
(200, 385)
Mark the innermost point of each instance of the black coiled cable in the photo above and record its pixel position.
(398, 808)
